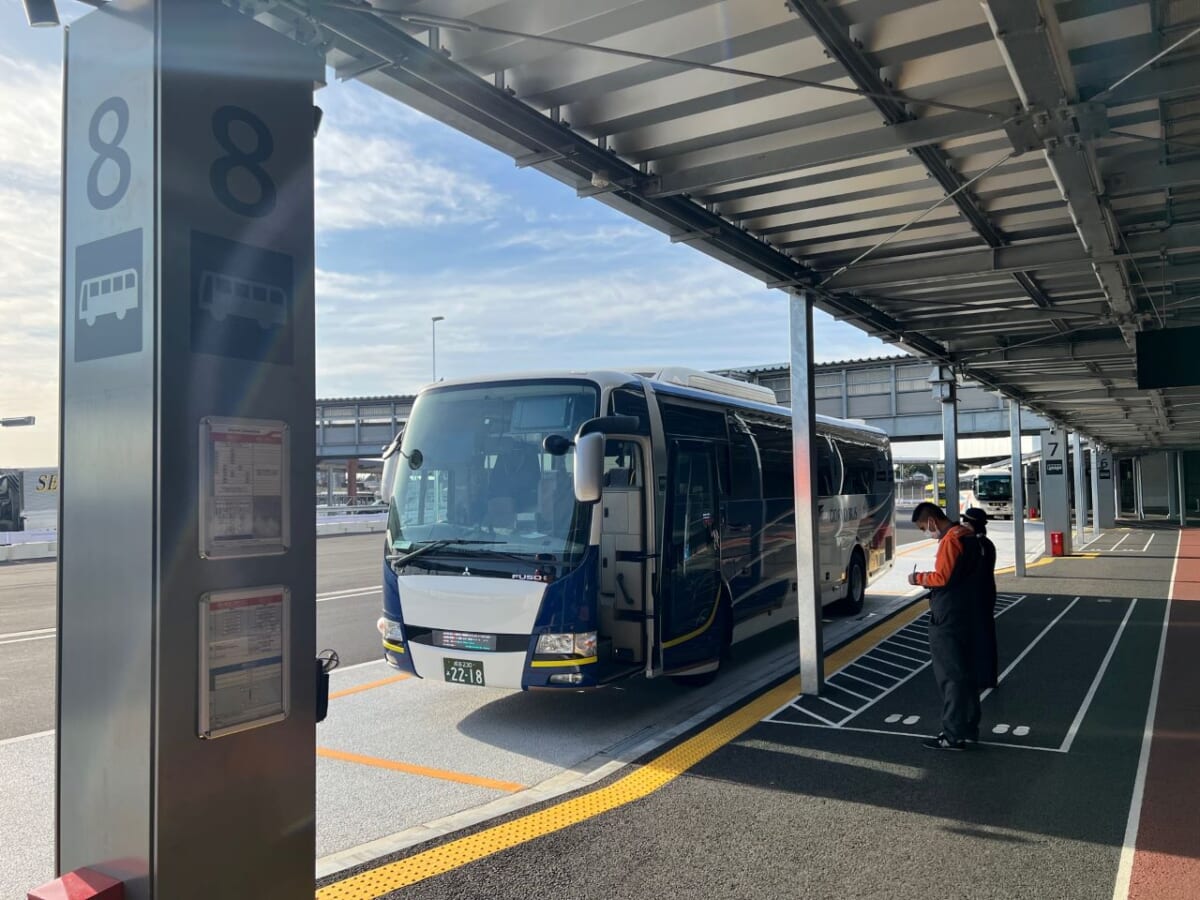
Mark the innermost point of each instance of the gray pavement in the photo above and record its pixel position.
(863, 810)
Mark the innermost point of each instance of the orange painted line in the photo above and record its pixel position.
(410, 769)
(366, 687)
(913, 548)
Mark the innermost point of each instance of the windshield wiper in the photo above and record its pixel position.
(400, 559)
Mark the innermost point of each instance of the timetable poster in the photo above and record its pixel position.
(244, 487)
(243, 658)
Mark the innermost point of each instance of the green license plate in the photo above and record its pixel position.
(464, 671)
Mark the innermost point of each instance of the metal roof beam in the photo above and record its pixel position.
(1146, 179)
(1055, 254)
(1031, 43)
(930, 130)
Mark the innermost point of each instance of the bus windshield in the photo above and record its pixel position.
(472, 471)
(993, 487)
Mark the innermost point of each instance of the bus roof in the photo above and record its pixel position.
(609, 378)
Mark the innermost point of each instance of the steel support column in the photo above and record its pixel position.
(1081, 502)
(1181, 480)
(1137, 487)
(1095, 452)
(804, 467)
(1018, 487)
(950, 440)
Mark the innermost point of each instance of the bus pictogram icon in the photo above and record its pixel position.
(228, 295)
(115, 293)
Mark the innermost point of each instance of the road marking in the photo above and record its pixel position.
(1119, 543)
(410, 769)
(1129, 845)
(366, 687)
(1087, 701)
(1147, 547)
(40, 637)
(645, 780)
(18, 634)
(1033, 644)
(910, 734)
(911, 659)
(26, 737)
(348, 594)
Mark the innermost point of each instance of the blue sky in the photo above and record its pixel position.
(413, 220)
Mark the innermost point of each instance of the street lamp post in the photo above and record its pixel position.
(433, 330)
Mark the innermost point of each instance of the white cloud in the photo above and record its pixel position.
(377, 166)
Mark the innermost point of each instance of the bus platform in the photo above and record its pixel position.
(1082, 785)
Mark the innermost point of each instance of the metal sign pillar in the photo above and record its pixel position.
(186, 584)
(1094, 452)
(1056, 501)
(1018, 487)
(1180, 477)
(804, 471)
(1105, 493)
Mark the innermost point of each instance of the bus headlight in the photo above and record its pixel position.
(390, 629)
(583, 644)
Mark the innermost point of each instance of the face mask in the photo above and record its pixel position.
(931, 529)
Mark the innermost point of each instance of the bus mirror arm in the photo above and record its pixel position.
(609, 425)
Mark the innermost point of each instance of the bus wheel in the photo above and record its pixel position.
(856, 585)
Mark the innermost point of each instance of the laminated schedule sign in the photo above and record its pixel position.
(243, 659)
(243, 489)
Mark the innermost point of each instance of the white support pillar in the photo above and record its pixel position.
(1018, 487)
(1181, 481)
(1095, 453)
(804, 468)
(1137, 487)
(1173, 485)
(1081, 501)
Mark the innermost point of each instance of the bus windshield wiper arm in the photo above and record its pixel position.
(427, 546)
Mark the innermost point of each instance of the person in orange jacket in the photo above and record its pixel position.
(953, 622)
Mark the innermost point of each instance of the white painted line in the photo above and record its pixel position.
(1021, 731)
(809, 712)
(911, 659)
(19, 634)
(881, 674)
(825, 699)
(1129, 845)
(912, 720)
(893, 718)
(919, 668)
(1147, 547)
(26, 737)
(1002, 728)
(1092, 541)
(1032, 644)
(40, 637)
(863, 680)
(1087, 701)
(846, 690)
(909, 734)
(1119, 543)
(347, 595)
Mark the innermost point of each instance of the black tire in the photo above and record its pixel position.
(856, 585)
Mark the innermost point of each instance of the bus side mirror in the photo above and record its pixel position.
(589, 467)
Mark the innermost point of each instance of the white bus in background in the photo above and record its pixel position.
(604, 524)
(227, 295)
(989, 490)
(114, 293)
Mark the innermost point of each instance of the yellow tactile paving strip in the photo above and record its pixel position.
(645, 780)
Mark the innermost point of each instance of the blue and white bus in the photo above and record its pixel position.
(569, 530)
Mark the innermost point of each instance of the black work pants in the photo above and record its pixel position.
(950, 650)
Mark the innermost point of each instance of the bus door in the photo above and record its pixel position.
(689, 629)
(624, 580)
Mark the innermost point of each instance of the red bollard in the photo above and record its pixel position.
(82, 884)
(1056, 543)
